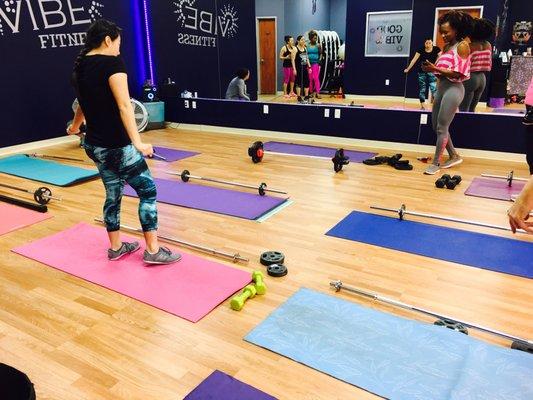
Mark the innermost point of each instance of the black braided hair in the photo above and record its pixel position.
(96, 34)
(462, 23)
(484, 30)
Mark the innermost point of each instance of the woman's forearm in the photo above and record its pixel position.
(447, 73)
(128, 119)
(526, 195)
(79, 117)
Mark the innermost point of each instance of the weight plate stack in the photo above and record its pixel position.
(277, 270)
(272, 257)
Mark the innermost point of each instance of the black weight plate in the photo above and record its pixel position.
(277, 270)
(456, 326)
(41, 195)
(272, 257)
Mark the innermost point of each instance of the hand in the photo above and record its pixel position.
(295, 72)
(71, 132)
(518, 216)
(428, 67)
(145, 148)
(405, 71)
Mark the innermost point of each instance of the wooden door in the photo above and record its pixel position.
(267, 56)
(474, 12)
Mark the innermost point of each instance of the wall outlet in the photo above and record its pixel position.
(326, 113)
(265, 109)
(337, 113)
(186, 103)
(423, 119)
(194, 105)
(387, 82)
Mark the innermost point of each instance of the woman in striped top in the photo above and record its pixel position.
(452, 68)
(481, 62)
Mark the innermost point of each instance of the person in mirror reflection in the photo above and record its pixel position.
(286, 55)
(112, 141)
(302, 69)
(314, 51)
(428, 52)
(237, 87)
(451, 68)
(481, 63)
(519, 213)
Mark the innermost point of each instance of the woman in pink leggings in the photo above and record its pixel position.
(287, 54)
(314, 49)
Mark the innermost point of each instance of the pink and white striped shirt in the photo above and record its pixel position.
(451, 61)
(481, 60)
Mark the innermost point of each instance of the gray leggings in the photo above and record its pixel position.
(474, 88)
(449, 96)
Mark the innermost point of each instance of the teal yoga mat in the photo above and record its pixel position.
(45, 171)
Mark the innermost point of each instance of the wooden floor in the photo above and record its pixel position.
(78, 341)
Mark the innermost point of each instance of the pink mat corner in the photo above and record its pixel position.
(189, 289)
(15, 217)
(492, 188)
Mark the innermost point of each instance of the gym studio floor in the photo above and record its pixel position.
(77, 340)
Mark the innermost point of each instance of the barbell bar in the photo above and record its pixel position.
(262, 188)
(35, 155)
(43, 195)
(509, 178)
(402, 211)
(518, 343)
(235, 257)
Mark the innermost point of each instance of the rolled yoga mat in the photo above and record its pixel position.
(45, 171)
(14, 217)
(220, 386)
(315, 151)
(392, 357)
(494, 253)
(493, 188)
(190, 288)
(172, 155)
(210, 198)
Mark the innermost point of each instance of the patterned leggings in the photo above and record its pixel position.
(425, 79)
(120, 166)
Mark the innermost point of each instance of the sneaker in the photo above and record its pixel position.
(432, 169)
(292, 94)
(163, 256)
(126, 248)
(455, 160)
(286, 96)
(300, 100)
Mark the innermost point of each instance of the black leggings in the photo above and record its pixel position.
(302, 77)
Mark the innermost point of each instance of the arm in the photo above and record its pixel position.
(281, 57)
(413, 62)
(293, 58)
(79, 118)
(119, 86)
(519, 212)
(242, 94)
(464, 52)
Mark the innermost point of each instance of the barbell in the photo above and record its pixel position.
(43, 195)
(35, 155)
(509, 178)
(262, 188)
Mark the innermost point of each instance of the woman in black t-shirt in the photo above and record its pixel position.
(430, 53)
(112, 140)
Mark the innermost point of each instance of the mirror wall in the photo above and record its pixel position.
(367, 53)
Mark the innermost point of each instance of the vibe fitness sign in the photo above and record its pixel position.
(388, 33)
(49, 15)
(199, 27)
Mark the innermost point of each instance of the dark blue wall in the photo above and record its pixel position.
(473, 131)
(367, 75)
(36, 91)
(337, 18)
(203, 69)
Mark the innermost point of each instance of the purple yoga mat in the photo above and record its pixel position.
(315, 151)
(492, 188)
(172, 154)
(211, 198)
(219, 386)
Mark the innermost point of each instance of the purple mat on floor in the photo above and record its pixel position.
(172, 154)
(219, 386)
(211, 198)
(492, 188)
(315, 151)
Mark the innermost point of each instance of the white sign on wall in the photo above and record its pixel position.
(388, 33)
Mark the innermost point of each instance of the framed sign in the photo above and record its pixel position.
(388, 33)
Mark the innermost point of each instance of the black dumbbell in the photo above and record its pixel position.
(453, 182)
(441, 182)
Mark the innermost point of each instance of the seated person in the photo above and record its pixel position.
(237, 87)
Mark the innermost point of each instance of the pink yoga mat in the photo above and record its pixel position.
(492, 188)
(14, 217)
(190, 288)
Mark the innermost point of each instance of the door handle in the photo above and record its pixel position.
(262, 61)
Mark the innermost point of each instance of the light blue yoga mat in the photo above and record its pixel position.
(45, 171)
(392, 357)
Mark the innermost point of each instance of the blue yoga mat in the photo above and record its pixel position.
(45, 171)
(392, 357)
(494, 253)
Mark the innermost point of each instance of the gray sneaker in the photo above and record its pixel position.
(126, 248)
(432, 169)
(455, 160)
(163, 256)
